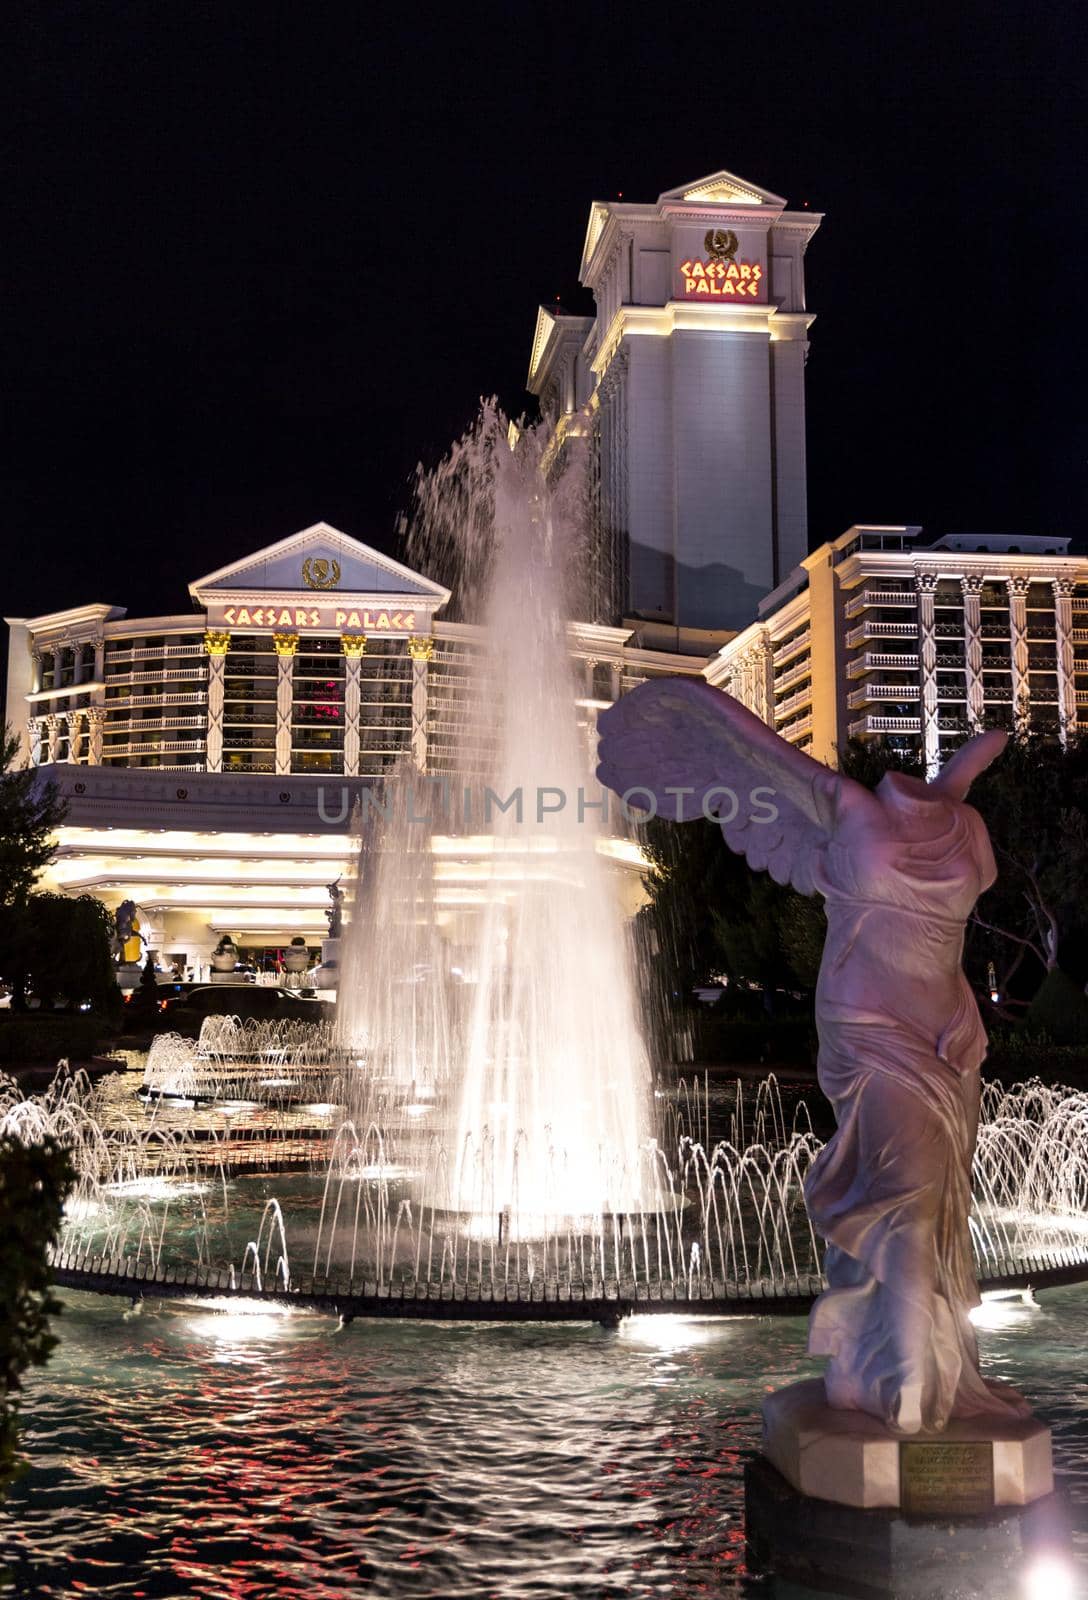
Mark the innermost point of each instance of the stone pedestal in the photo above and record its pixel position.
(328, 973)
(227, 977)
(853, 1459)
(836, 1550)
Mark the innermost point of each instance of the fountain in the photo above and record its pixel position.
(473, 1137)
(548, 1085)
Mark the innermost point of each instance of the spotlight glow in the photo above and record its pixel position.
(1049, 1578)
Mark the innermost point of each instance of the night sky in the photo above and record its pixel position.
(262, 259)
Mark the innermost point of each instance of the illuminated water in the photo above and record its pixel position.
(180, 1453)
(548, 1075)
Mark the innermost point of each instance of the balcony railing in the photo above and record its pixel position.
(149, 726)
(883, 691)
(793, 702)
(876, 724)
(793, 674)
(153, 747)
(879, 597)
(163, 675)
(153, 652)
(881, 630)
(792, 647)
(172, 698)
(803, 725)
(876, 661)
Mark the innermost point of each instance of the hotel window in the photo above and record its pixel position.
(317, 711)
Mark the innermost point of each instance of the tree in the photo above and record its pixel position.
(30, 813)
(34, 1181)
(711, 916)
(1035, 803)
(68, 957)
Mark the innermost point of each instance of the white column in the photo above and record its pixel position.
(286, 645)
(926, 585)
(96, 717)
(76, 727)
(354, 648)
(99, 642)
(216, 645)
(34, 726)
(765, 680)
(971, 585)
(1067, 671)
(52, 725)
(1018, 649)
(421, 650)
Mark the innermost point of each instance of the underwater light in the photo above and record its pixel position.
(1049, 1578)
(1001, 1308)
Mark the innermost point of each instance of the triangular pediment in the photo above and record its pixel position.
(320, 559)
(721, 188)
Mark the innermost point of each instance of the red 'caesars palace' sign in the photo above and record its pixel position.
(722, 280)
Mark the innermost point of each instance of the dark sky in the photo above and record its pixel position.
(260, 259)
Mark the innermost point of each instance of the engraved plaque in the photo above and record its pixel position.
(938, 1478)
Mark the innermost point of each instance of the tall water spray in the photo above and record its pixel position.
(548, 1073)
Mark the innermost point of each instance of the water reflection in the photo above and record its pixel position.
(188, 1452)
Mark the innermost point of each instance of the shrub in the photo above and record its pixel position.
(34, 1180)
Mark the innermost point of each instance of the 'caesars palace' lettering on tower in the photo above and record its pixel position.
(319, 617)
(722, 279)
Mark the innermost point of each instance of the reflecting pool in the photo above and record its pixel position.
(182, 1452)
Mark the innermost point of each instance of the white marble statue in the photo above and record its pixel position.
(901, 1040)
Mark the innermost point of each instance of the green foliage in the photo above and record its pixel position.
(66, 951)
(34, 1180)
(711, 916)
(30, 812)
(1059, 1011)
(1034, 801)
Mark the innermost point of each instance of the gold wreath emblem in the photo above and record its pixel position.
(721, 244)
(318, 573)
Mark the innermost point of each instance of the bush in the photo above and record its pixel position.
(47, 1036)
(1059, 1010)
(34, 1180)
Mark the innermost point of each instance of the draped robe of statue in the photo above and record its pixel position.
(901, 1040)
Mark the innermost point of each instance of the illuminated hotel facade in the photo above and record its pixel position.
(876, 636)
(209, 759)
(687, 386)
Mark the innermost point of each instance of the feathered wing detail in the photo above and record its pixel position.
(680, 734)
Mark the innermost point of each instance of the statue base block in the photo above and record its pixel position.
(227, 977)
(837, 1550)
(851, 1458)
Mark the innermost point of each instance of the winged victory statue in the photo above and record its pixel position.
(901, 1041)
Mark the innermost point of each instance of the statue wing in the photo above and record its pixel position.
(682, 734)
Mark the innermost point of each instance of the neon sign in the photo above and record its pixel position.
(722, 280)
(326, 617)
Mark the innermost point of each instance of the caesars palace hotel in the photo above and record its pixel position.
(195, 750)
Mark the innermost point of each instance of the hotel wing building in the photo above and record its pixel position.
(208, 758)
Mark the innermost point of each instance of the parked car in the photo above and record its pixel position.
(245, 1000)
